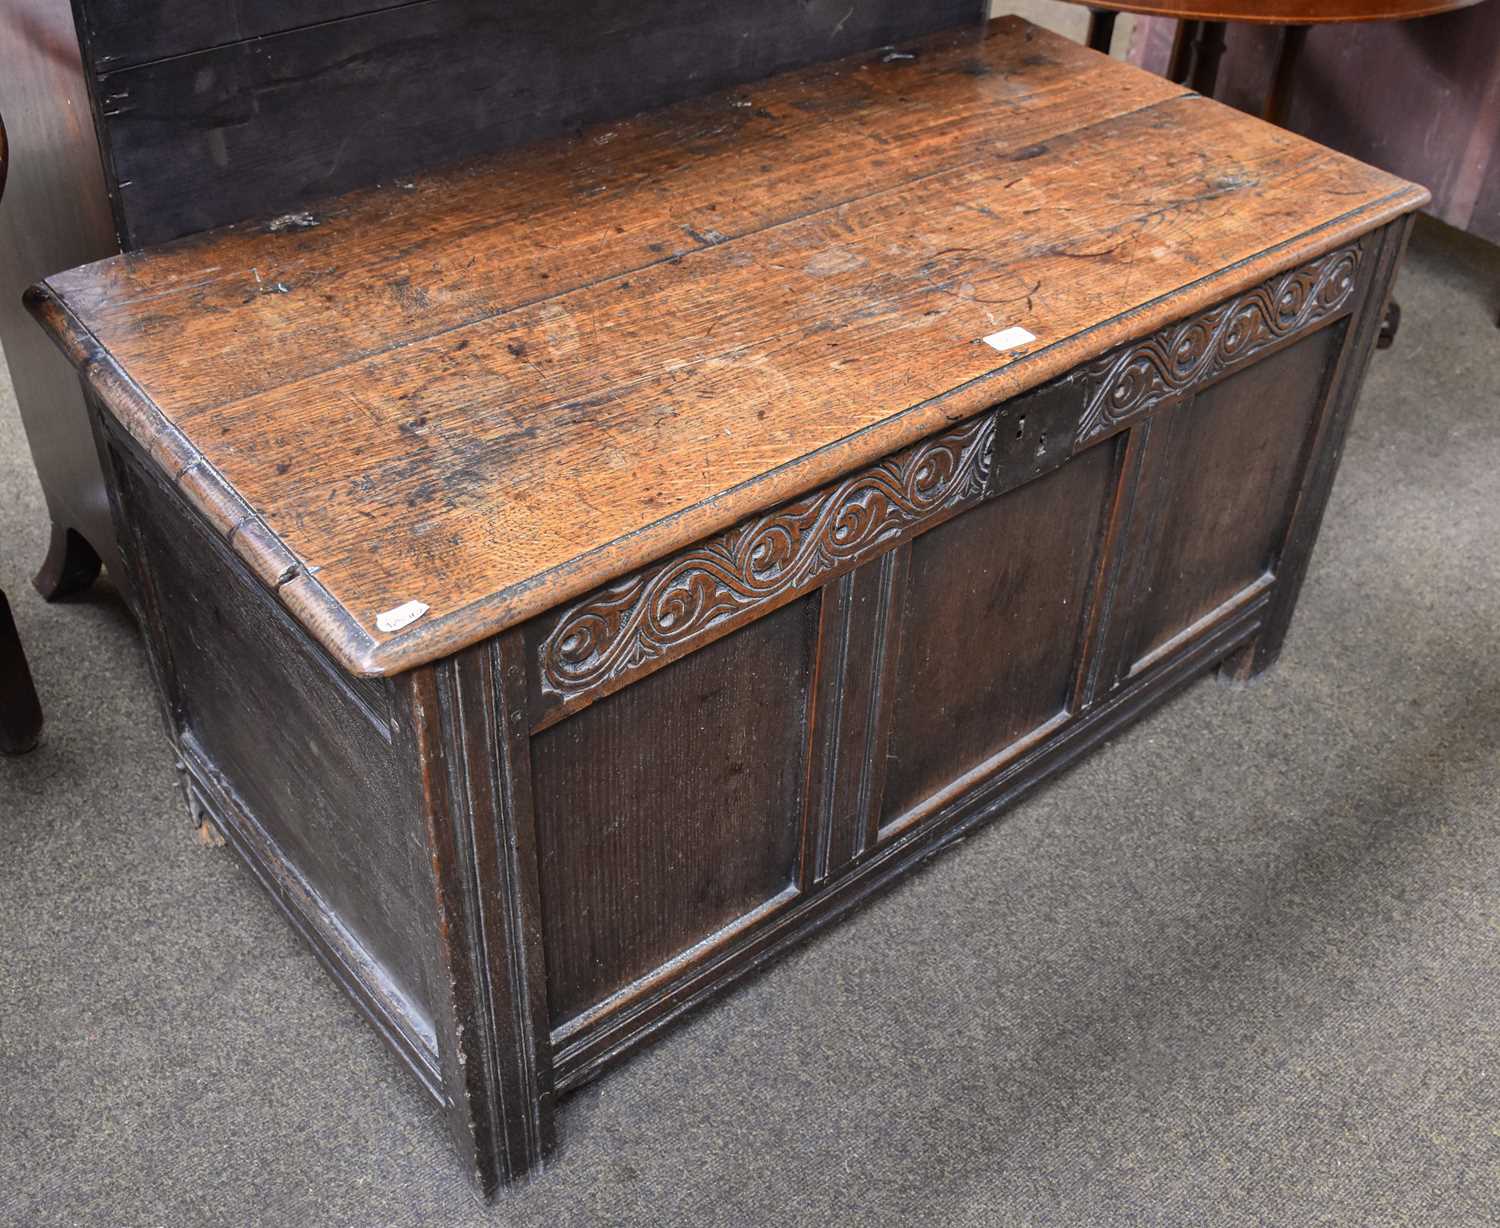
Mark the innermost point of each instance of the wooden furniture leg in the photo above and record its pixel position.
(70, 567)
(1101, 29)
(1279, 100)
(55, 213)
(1196, 55)
(1277, 110)
(1182, 41)
(1389, 326)
(20, 713)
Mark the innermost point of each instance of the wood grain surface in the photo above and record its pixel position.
(213, 111)
(664, 813)
(494, 389)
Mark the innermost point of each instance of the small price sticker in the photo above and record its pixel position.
(402, 616)
(1009, 338)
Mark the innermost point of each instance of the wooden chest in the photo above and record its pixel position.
(577, 576)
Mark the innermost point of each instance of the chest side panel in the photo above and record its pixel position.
(294, 759)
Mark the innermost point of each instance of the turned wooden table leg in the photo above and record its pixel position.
(1279, 100)
(1277, 110)
(1101, 29)
(20, 713)
(1196, 52)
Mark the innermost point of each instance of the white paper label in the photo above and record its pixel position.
(401, 616)
(1009, 338)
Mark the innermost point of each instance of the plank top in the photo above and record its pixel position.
(492, 389)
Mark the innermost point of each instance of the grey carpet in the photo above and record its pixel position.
(1241, 967)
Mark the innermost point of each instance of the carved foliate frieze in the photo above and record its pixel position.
(763, 561)
(1138, 377)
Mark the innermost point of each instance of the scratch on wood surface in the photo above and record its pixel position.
(368, 410)
(268, 287)
(834, 260)
(302, 220)
(183, 288)
(707, 237)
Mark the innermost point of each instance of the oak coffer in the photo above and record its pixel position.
(573, 577)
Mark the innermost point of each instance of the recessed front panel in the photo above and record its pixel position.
(991, 626)
(672, 808)
(1231, 459)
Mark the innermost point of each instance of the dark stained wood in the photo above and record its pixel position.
(848, 581)
(584, 1056)
(215, 135)
(673, 809)
(621, 632)
(593, 881)
(1101, 29)
(1327, 447)
(1196, 55)
(55, 215)
(71, 565)
(668, 400)
(1222, 502)
(858, 650)
(463, 725)
(1185, 357)
(990, 628)
(1279, 98)
(304, 745)
(121, 33)
(20, 710)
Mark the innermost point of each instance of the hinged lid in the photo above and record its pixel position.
(489, 390)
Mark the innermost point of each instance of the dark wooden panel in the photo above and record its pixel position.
(1327, 447)
(125, 32)
(472, 759)
(216, 136)
(587, 1054)
(1231, 460)
(672, 808)
(297, 745)
(991, 627)
(858, 641)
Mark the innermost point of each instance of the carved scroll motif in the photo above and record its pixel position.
(1137, 377)
(644, 617)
